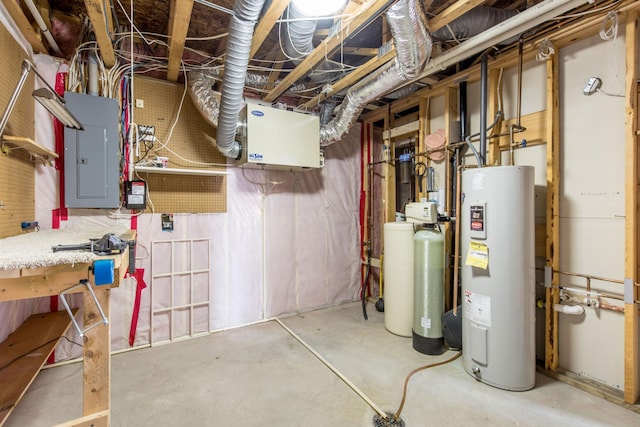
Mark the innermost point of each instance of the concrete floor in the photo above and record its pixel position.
(261, 376)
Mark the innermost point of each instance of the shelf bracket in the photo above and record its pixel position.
(70, 290)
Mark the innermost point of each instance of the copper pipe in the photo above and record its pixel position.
(589, 277)
(612, 307)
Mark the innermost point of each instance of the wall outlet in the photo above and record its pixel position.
(139, 103)
(592, 85)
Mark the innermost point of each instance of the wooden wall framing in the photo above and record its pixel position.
(631, 351)
(544, 128)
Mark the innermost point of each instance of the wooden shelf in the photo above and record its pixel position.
(30, 146)
(24, 352)
(176, 171)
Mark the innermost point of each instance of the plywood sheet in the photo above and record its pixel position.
(190, 146)
(24, 352)
(17, 172)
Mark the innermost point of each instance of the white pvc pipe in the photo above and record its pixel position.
(334, 370)
(518, 24)
(93, 75)
(43, 27)
(569, 309)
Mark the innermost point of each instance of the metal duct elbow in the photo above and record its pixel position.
(413, 50)
(206, 100)
(473, 23)
(246, 14)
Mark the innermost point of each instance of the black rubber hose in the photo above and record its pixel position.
(363, 295)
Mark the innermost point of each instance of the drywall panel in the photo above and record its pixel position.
(592, 202)
(534, 89)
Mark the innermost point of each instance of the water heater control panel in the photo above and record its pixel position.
(478, 220)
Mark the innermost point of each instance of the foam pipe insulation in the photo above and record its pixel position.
(413, 50)
(243, 21)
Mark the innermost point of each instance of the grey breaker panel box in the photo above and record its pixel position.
(91, 156)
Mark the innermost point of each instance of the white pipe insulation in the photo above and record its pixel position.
(43, 26)
(569, 309)
(518, 24)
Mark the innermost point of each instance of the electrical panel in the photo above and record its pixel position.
(91, 156)
(272, 138)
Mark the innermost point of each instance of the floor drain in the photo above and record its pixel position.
(390, 421)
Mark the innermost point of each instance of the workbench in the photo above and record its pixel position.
(29, 276)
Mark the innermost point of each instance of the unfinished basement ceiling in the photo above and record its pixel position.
(197, 35)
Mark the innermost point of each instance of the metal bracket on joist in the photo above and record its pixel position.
(629, 294)
(548, 277)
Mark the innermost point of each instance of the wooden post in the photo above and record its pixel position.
(631, 212)
(97, 349)
(553, 211)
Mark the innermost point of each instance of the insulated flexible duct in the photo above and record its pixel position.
(246, 13)
(413, 50)
(206, 100)
(473, 23)
(298, 42)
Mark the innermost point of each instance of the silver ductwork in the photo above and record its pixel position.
(413, 50)
(473, 23)
(243, 21)
(206, 100)
(298, 42)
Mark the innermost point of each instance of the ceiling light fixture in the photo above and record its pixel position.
(46, 96)
(319, 8)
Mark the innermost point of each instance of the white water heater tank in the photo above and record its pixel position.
(498, 276)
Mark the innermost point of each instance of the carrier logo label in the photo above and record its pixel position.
(257, 113)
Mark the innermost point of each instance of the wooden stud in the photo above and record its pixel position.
(97, 17)
(96, 354)
(179, 18)
(389, 176)
(631, 352)
(553, 211)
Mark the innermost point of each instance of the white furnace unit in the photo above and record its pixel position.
(272, 138)
(498, 276)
